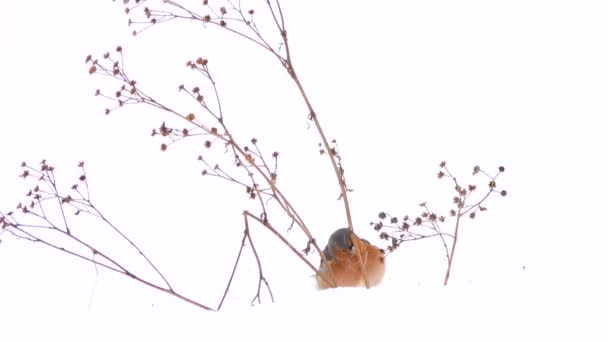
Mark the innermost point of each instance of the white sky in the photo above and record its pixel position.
(401, 86)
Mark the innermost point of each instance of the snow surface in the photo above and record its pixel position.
(401, 86)
(523, 312)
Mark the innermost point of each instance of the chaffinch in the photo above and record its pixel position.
(341, 255)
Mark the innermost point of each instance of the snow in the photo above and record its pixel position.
(524, 312)
(401, 87)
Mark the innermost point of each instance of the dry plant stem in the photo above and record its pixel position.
(435, 226)
(83, 204)
(287, 62)
(451, 257)
(50, 176)
(132, 244)
(267, 224)
(118, 269)
(242, 154)
(236, 263)
(261, 277)
(288, 244)
(288, 65)
(421, 237)
(455, 237)
(289, 210)
(459, 215)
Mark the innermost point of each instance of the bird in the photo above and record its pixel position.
(343, 261)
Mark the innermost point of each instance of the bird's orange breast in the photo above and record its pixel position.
(346, 267)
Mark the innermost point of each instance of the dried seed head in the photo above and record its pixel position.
(382, 215)
(503, 193)
(501, 169)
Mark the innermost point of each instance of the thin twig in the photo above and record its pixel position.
(451, 258)
(261, 277)
(236, 263)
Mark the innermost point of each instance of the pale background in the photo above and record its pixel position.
(400, 85)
